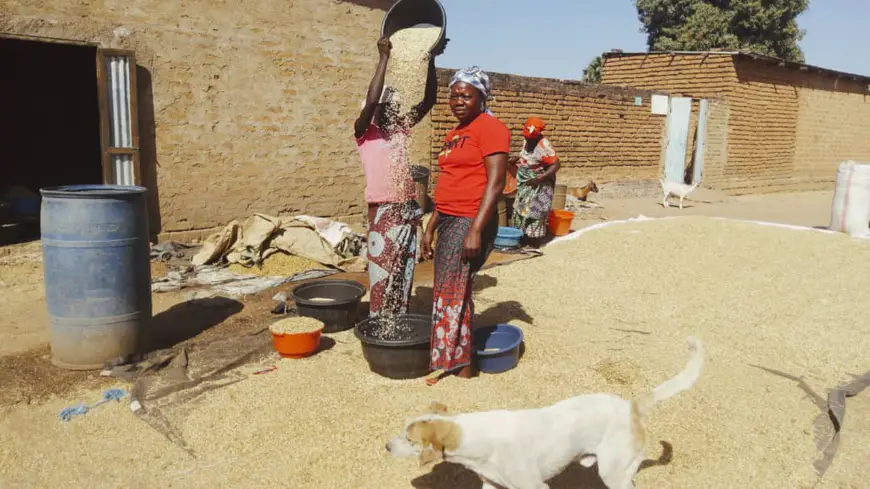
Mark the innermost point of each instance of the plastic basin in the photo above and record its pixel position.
(560, 222)
(508, 237)
(298, 345)
(497, 347)
(341, 307)
(398, 347)
(408, 13)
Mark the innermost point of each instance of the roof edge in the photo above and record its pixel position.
(749, 55)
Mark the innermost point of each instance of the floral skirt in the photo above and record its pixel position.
(453, 306)
(532, 206)
(392, 254)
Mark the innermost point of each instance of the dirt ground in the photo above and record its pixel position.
(24, 354)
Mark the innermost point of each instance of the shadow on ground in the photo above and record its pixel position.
(188, 319)
(455, 476)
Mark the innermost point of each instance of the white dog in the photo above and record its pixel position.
(676, 189)
(524, 449)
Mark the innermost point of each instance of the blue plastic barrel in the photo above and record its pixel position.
(97, 273)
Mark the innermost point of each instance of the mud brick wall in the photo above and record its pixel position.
(787, 129)
(248, 105)
(833, 126)
(598, 132)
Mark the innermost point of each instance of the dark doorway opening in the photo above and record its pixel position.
(49, 127)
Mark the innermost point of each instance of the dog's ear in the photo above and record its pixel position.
(430, 456)
(434, 437)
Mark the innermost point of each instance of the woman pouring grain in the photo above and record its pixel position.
(473, 163)
(393, 212)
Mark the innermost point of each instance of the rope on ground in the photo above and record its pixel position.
(81, 409)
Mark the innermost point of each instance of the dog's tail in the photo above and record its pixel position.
(680, 382)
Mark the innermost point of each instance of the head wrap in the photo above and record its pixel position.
(478, 79)
(533, 128)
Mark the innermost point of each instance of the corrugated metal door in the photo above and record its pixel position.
(678, 138)
(698, 169)
(118, 117)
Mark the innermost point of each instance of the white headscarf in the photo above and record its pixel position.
(478, 79)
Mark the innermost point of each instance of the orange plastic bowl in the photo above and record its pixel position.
(560, 222)
(297, 345)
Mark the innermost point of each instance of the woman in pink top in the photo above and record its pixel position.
(393, 212)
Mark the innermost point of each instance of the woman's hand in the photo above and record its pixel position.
(385, 46)
(471, 245)
(426, 244)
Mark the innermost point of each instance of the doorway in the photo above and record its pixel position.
(49, 127)
(686, 140)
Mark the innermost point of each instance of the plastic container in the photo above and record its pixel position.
(408, 13)
(508, 237)
(502, 211)
(420, 175)
(560, 222)
(497, 348)
(510, 184)
(560, 197)
(405, 357)
(297, 345)
(340, 313)
(97, 273)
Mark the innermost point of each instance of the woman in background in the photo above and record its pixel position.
(536, 168)
(473, 163)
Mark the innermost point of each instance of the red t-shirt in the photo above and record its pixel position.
(462, 182)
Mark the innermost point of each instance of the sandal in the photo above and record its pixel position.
(434, 377)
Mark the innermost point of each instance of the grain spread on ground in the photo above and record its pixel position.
(610, 311)
(296, 325)
(279, 265)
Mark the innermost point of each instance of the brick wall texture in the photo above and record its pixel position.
(787, 129)
(598, 132)
(250, 104)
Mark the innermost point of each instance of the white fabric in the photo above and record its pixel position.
(850, 209)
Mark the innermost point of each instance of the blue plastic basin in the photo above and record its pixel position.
(497, 347)
(508, 237)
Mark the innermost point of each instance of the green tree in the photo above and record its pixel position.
(592, 73)
(766, 27)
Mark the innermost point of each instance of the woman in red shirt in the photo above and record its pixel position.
(473, 163)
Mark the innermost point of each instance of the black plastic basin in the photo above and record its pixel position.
(398, 347)
(340, 312)
(408, 13)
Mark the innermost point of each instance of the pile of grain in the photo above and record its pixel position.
(611, 312)
(296, 325)
(279, 265)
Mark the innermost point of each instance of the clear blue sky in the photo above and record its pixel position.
(558, 38)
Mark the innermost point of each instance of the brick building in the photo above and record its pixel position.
(220, 110)
(601, 133)
(772, 125)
